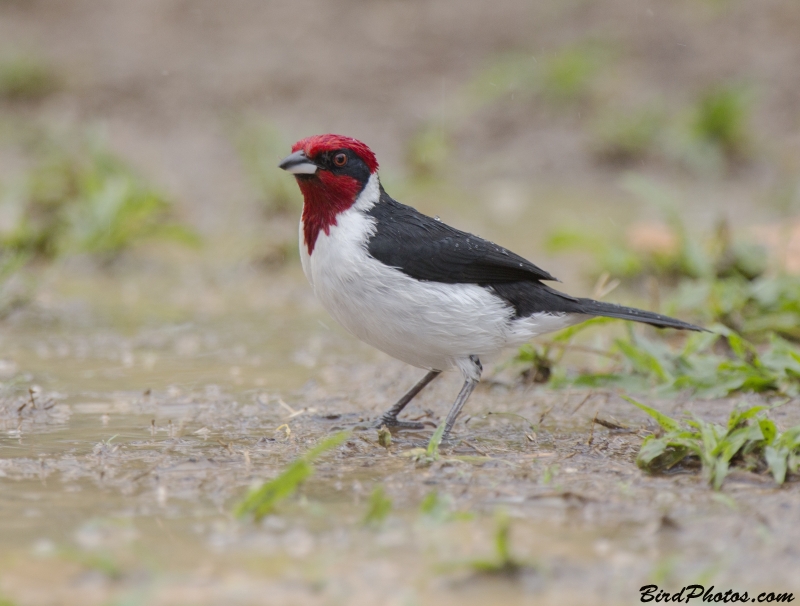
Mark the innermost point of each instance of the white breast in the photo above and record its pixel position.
(426, 324)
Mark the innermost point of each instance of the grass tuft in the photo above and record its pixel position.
(709, 135)
(728, 283)
(713, 133)
(749, 440)
(711, 365)
(438, 508)
(80, 198)
(561, 78)
(429, 455)
(25, 78)
(567, 75)
(378, 507)
(504, 562)
(721, 119)
(538, 362)
(627, 137)
(434, 506)
(727, 279)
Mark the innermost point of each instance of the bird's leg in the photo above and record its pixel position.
(389, 418)
(470, 382)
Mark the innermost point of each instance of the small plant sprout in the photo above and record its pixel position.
(438, 508)
(378, 507)
(504, 562)
(26, 79)
(721, 118)
(538, 361)
(749, 440)
(434, 506)
(549, 473)
(567, 75)
(263, 499)
(627, 137)
(429, 455)
(384, 437)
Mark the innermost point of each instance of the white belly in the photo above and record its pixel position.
(426, 324)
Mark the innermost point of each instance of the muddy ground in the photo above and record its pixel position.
(116, 495)
(165, 384)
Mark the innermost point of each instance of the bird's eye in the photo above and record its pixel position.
(340, 160)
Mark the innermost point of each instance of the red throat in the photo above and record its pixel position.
(325, 196)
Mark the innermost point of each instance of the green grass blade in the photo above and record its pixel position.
(667, 423)
(433, 445)
(262, 500)
(326, 445)
(777, 459)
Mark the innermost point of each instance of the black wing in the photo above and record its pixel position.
(427, 249)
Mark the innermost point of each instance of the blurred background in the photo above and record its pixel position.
(511, 118)
(149, 242)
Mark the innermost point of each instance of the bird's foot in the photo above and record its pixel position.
(392, 422)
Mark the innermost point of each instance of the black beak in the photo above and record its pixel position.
(298, 164)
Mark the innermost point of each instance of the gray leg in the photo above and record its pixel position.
(389, 418)
(469, 385)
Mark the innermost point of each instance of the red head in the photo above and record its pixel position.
(331, 171)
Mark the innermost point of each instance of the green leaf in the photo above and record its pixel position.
(430, 503)
(777, 462)
(738, 416)
(501, 539)
(432, 451)
(718, 470)
(790, 438)
(711, 435)
(699, 342)
(768, 430)
(667, 423)
(732, 443)
(642, 361)
(660, 454)
(651, 449)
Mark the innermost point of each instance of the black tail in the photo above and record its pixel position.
(610, 310)
(528, 298)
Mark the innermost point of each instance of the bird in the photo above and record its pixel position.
(415, 288)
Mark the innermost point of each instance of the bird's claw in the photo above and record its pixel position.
(395, 423)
